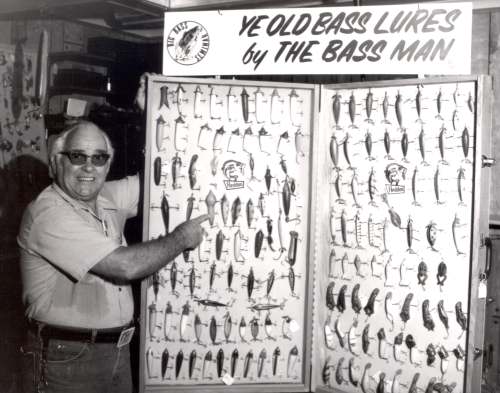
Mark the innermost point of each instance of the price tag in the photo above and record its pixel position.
(125, 337)
(227, 379)
(294, 326)
(482, 290)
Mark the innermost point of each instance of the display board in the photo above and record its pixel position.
(340, 247)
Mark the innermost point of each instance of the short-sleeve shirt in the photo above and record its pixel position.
(60, 240)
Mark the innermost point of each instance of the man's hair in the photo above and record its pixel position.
(59, 142)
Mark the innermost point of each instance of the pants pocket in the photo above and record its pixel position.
(59, 351)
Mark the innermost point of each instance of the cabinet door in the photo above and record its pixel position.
(399, 254)
(236, 312)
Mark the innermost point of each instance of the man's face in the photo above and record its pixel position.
(82, 182)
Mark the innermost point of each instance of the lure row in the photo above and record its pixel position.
(211, 104)
(349, 373)
(210, 365)
(369, 308)
(399, 104)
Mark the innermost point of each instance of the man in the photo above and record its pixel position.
(76, 269)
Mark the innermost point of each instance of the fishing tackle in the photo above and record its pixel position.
(244, 105)
(371, 187)
(422, 273)
(259, 238)
(230, 274)
(164, 97)
(365, 339)
(430, 385)
(405, 310)
(395, 219)
(365, 379)
(220, 362)
(413, 385)
(460, 355)
(399, 110)
(160, 132)
(210, 202)
(441, 274)
(210, 303)
(219, 242)
(267, 178)
(254, 328)
(460, 181)
(382, 343)
(443, 355)
(259, 105)
(201, 135)
(336, 109)
(387, 306)
(454, 119)
(192, 172)
(179, 123)
(179, 99)
(284, 136)
(213, 105)
(270, 282)
(357, 264)
(352, 337)
(234, 362)
(410, 343)
(381, 383)
(268, 327)
(235, 133)
(460, 316)
(250, 283)
(235, 210)
(231, 105)
(421, 146)
(455, 224)
(152, 320)
(409, 235)
(261, 205)
(404, 145)
(353, 374)
(398, 341)
(354, 190)
(164, 362)
(176, 169)
(334, 151)
(276, 109)
(165, 212)
(242, 328)
(179, 359)
(276, 356)
(426, 315)
(431, 354)
(352, 109)
(338, 331)
(329, 335)
(369, 145)
(167, 321)
(228, 326)
(269, 237)
(192, 363)
(184, 321)
(197, 102)
(299, 145)
(357, 230)
(173, 277)
(344, 264)
(224, 209)
(338, 187)
(246, 364)
(387, 145)
(263, 133)
(441, 145)
(291, 281)
(418, 102)
(385, 108)
(286, 199)
(414, 187)
(339, 375)
(192, 281)
(369, 106)
(438, 105)
(157, 175)
(341, 298)
(370, 305)
(345, 145)
(465, 139)
(443, 316)
(343, 228)
(197, 329)
(212, 329)
(267, 306)
(206, 364)
(219, 133)
(440, 387)
(330, 299)
(326, 373)
(261, 361)
(430, 234)
(150, 356)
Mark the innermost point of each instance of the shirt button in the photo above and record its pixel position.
(120, 289)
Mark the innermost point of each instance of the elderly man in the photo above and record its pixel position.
(76, 269)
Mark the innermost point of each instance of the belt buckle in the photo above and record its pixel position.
(125, 337)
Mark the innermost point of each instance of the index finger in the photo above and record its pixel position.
(200, 219)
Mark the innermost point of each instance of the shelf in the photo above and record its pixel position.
(54, 91)
(81, 58)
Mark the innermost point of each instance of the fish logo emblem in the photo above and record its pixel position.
(395, 173)
(233, 170)
(187, 43)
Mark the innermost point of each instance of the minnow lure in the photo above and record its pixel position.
(268, 327)
(254, 328)
(230, 148)
(352, 337)
(441, 138)
(409, 235)
(184, 321)
(299, 145)
(165, 213)
(276, 109)
(238, 257)
(250, 212)
(460, 181)
(160, 132)
(414, 187)
(455, 224)
(385, 108)
(422, 273)
(443, 316)
(164, 362)
(329, 335)
(212, 329)
(405, 310)
(357, 264)
(352, 109)
(369, 145)
(421, 146)
(152, 320)
(353, 374)
(210, 202)
(244, 105)
(338, 331)
(404, 145)
(176, 170)
(334, 151)
(436, 186)
(268, 177)
(235, 210)
(192, 171)
(270, 282)
(370, 305)
(197, 329)
(430, 385)
(465, 139)
(167, 321)
(234, 362)
(336, 109)
(339, 374)
(263, 133)
(179, 359)
(418, 102)
(150, 356)
(230, 274)
(284, 136)
(330, 299)
(276, 356)
(198, 93)
(460, 355)
(291, 280)
(369, 105)
(157, 175)
(438, 104)
(242, 328)
(269, 237)
(261, 361)
(371, 187)
(454, 119)
(430, 233)
(387, 145)
(173, 276)
(426, 315)
(395, 218)
(259, 238)
(399, 110)
(345, 145)
(413, 385)
(224, 209)
(354, 190)
(431, 354)
(365, 339)
(219, 242)
(382, 343)
(246, 364)
(206, 364)
(220, 362)
(266, 306)
(343, 227)
(192, 363)
(443, 355)
(326, 372)
(338, 187)
(292, 248)
(250, 283)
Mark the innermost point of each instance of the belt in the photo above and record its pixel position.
(48, 332)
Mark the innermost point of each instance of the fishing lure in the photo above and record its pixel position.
(276, 107)
(250, 283)
(354, 190)
(414, 187)
(387, 309)
(460, 316)
(410, 343)
(234, 362)
(192, 172)
(405, 310)
(460, 182)
(441, 274)
(164, 362)
(269, 237)
(259, 238)
(387, 145)
(339, 332)
(355, 300)
(230, 146)
(443, 316)
(235, 210)
(418, 102)
(341, 299)
(206, 365)
(421, 146)
(369, 145)
(180, 123)
(343, 228)
(339, 375)
(176, 170)
(413, 385)
(381, 383)
(150, 356)
(167, 321)
(212, 329)
(210, 202)
(334, 151)
(455, 224)
(365, 339)
(426, 315)
(398, 342)
(465, 139)
(385, 108)
(398, 106)
(345, 145)
(438, 104)
(430, 234)
(244, 105)
(364, 384)
(228, 326)
(436, 186)
(263, 133)
(276, 356)
(192, 363)
(246, 364)
(395, 218)
(431, 354)
(197, 109)
(336, 109)
(179, 359)
(219, 242)
(261, 361)
(219, 133)
(330, 299)
(370, 305)
(369, 106)
(404, 145)
(231, 105)
(220, 362)
(152, 320)
(269, 327)
(422, 273)
(254, 328)
(352, 109)
(441, 138)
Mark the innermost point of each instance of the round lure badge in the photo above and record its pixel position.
(187, 43)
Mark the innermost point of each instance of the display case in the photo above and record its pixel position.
(342, 251)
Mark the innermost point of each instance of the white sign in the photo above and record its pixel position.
(400, 39)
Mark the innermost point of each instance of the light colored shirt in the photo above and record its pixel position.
(60, 240)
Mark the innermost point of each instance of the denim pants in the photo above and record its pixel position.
(60, 366)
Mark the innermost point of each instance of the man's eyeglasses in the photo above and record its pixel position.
(78, 158)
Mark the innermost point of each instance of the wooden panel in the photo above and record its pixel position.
(480, 42)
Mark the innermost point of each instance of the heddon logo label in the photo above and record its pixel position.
(395, 173)
(233, 170)
(187, 43)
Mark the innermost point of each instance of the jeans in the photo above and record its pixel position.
(75, 367)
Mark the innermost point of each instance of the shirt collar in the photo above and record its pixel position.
(102, 202)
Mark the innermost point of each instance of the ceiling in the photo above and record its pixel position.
(144, 18)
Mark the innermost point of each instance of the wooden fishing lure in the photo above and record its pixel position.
(220, 362)
(244, 105)
(192, 172)
(426, 315)
(192, 363)
(179, 359)
(210, 201)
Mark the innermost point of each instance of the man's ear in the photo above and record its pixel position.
(53, 167)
